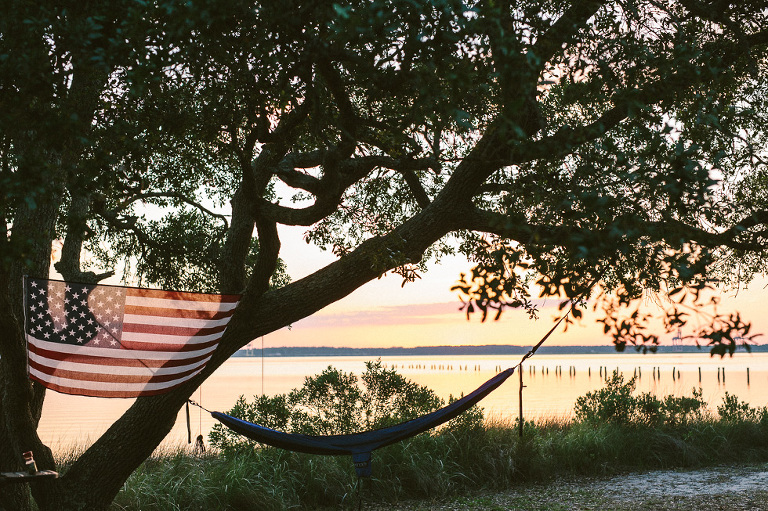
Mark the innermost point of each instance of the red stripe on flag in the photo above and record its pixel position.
(159, 347)
(114, 361)
(110, 377)
(102, 393)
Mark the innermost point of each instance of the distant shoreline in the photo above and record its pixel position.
(490, 349)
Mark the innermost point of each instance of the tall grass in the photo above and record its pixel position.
(466, 457)
(432, 466)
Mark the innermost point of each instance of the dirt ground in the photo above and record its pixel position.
(730, 488)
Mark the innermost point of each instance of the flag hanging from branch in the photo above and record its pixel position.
(111, 341)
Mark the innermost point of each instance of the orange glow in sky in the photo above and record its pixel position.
(426, 312)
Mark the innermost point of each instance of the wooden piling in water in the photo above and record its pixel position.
(747, 375)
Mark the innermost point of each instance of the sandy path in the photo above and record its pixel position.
(728, 488)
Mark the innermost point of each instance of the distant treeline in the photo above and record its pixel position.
(489, 349)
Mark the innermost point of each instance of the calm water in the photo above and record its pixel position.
(69, 420)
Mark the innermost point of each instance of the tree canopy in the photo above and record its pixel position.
(578, 145)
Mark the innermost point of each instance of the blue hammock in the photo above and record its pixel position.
(360, 445)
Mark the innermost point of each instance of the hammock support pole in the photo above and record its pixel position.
(521, 400)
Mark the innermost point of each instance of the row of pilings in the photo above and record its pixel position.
(533, 370)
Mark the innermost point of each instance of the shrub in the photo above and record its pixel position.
(335, 402)
(613, 404)
(616, 404)
(733, 410)
(680, 411)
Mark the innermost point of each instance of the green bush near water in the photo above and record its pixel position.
(617, 404)
(614, 431)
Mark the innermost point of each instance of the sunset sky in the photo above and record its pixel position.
(426, 312)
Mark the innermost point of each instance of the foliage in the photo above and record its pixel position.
(335, 402)
(733, 410)
(575, 145)
(616, 404)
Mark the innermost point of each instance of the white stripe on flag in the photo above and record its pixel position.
(117, 353)
(165, 303)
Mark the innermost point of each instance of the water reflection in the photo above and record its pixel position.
(553, 382)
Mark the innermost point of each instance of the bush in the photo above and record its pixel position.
(613, 404)
(733, 410)
(616, 404)
(335, 402)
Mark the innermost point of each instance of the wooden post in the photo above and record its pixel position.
(521, 402)
(262, 366)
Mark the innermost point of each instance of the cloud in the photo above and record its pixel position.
(407, 314)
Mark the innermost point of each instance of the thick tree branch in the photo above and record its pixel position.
(519, 229)
(181, 198)
(347, 120)
(330, 189)
(77, 229)
(412, 180)
(255, 177)
(267, 259)
(563, 31)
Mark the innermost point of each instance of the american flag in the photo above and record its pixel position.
(111, 341)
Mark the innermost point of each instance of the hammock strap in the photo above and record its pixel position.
(533, 350)
(189, 426)
(195, 403)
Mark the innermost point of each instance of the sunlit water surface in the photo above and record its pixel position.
(70, 421)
